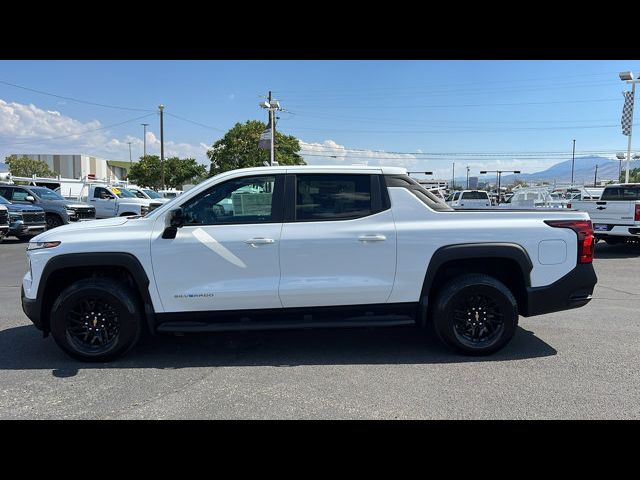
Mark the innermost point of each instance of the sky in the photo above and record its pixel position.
(423, 115)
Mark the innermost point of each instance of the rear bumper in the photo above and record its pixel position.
(31, 308)
(618, 231)
(571, 291)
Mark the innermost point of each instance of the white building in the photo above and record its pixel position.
(80, 166)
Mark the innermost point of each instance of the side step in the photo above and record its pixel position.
(186, 326)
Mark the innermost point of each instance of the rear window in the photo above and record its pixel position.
(621, 193)
(332, 197)
(475, 196)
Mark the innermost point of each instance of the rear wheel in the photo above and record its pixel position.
(96, 320)
(475, 314)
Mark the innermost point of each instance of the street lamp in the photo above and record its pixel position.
(621, 156)
(499, 176)
(627, 77)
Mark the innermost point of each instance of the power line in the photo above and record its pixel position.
(79, 133)
(196, 123)
(506, 153)
(462, 104)
(75, 99)
(408, 157)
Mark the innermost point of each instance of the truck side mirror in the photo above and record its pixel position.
(29, 198)
(176, 220)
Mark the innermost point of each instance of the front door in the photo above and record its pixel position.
(338, 244)
(104, 201)
(226, 255)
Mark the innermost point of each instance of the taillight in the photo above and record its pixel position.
(584, 230)
(637, 215)
(568, 205)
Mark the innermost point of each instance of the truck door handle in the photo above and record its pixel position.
(92, 200)
(260, 241)
(601, 208)
(372, 238)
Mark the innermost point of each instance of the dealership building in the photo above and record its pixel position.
(81, 166)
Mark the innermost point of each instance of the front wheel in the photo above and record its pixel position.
(475, 314)
(96, 320)
(53, 221)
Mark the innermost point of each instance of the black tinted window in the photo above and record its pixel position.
(475, 196)
(621, 193)
(242, 200)
(332, 197)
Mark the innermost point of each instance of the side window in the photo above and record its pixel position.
(332, 197)
(98, 192)
(242, 200)
(6, 193)
(138, 193)
(19, 195)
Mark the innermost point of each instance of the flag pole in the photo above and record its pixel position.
(633, 94)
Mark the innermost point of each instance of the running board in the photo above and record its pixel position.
(368, 321)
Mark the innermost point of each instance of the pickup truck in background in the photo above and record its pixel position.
(112, 201)
(25, 221)
(469, 199)
(147, 193)
(4, 221)
(58, 211)
(306, 246)
(616, 215)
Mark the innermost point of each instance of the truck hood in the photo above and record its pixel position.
(67, 203)
(16, 207)
(134, 201)
(84, 226)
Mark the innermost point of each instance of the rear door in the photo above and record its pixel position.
(338, 242)
(617, 205)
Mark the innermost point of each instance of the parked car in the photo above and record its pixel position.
(4, 221)
(533, 198)
(58, 211)
(25, 221)
(147, 193)
(114, 201)
(616, 216)
(469, 199)
(306, 246)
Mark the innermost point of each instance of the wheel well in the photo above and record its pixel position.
(505, 270)
(62, 278)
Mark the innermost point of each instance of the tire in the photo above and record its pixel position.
(120, 314)
(53, 221)
(476, 295)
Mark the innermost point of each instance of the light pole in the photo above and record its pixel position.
(499, 175)
(468, 177)
(161, 107)
(130, 162)
(144, 139)
(595, 177)
(627, 77)
(573, 160)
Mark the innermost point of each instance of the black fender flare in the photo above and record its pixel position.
(461, 251)
(99, 259)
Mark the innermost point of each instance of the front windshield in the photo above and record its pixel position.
(46, 193)
(4, 201)
(123, 193)
(152, 193)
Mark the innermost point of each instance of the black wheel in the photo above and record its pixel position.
(475, 314)
(24, 238)
(53, 221)
(96, 320)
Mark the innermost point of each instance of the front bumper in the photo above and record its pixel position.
(571, 291)
(19, 228)
(31, 308)
(4, 231)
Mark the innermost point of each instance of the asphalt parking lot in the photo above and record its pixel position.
(578, 364)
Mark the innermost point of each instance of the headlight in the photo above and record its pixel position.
(71, 213)
(41, 245)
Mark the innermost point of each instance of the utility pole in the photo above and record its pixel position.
(573, 159)
(453, 177)
(161, 107)
(130, 162)
(144, 139)
(595, 177)
(467, 177)
(272, 120)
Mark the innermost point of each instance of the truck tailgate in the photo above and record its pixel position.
(613, 213)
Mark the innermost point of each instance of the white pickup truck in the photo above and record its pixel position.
(114, 201)
(306, 246)
(469, 199)
(616, 215)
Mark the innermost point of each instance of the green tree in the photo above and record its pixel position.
(634, 176)
(26, 167)
(178, 171)
(239, 149)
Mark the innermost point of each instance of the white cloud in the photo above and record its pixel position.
(29, 129)
(331, 153)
